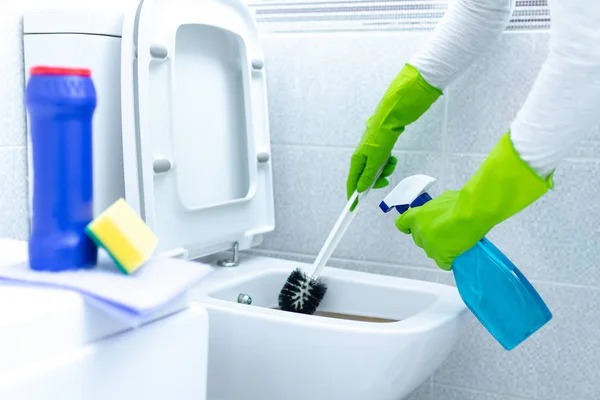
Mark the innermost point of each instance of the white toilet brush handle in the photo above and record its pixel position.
(340, 227)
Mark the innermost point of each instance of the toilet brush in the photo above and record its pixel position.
(302, 293)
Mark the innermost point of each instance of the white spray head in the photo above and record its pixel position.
(405, 193)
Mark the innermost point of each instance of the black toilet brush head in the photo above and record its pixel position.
(301, 293)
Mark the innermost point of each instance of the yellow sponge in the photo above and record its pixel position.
(124, 235)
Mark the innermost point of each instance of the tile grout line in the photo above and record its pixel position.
(342, 259)
(346, 148)
(265, 252)
(383, 264)
(445, 122)
(565, 284)
(474, 391)
(445, 160)
(443, 152)
(581, 159)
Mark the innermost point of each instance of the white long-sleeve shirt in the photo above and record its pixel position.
(564, 103)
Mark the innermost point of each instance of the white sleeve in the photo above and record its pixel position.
(564, 104)
(468, 28)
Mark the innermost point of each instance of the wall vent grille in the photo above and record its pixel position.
(359, 15)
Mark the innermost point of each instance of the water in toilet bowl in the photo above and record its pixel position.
(350, 317)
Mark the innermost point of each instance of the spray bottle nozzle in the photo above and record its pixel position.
(410, 192)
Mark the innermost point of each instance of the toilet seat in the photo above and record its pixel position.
(196, 148)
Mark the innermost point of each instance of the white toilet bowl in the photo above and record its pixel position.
(404, 330)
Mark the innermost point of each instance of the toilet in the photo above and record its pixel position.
(181, 131)
(374, 337)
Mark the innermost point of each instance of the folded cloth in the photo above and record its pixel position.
(135, 297)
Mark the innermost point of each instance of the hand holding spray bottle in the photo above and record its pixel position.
(491, 286)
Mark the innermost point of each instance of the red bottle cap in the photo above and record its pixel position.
(45, 70)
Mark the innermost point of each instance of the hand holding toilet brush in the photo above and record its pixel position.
(303, 293)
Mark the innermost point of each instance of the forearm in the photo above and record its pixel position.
(467, 30)
(564, 104)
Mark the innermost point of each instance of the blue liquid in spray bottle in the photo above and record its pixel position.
(491, 286)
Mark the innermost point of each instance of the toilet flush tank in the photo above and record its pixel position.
(86, 38)
(181, 129)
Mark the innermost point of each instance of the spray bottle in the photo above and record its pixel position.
(491, 286)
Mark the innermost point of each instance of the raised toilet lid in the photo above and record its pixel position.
(195, 125)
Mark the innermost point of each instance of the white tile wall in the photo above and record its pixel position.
(13, 181)
(488, 96)
(13, 193)
(324, 97)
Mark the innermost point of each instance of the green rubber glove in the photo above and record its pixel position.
(405, 100)
(452, 223)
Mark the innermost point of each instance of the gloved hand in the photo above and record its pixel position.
(452, 223)
(405, 100)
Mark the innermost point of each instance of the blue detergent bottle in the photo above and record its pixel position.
(491, 286)
(61, 103)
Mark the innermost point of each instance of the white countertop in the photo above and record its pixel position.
(41, 322)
